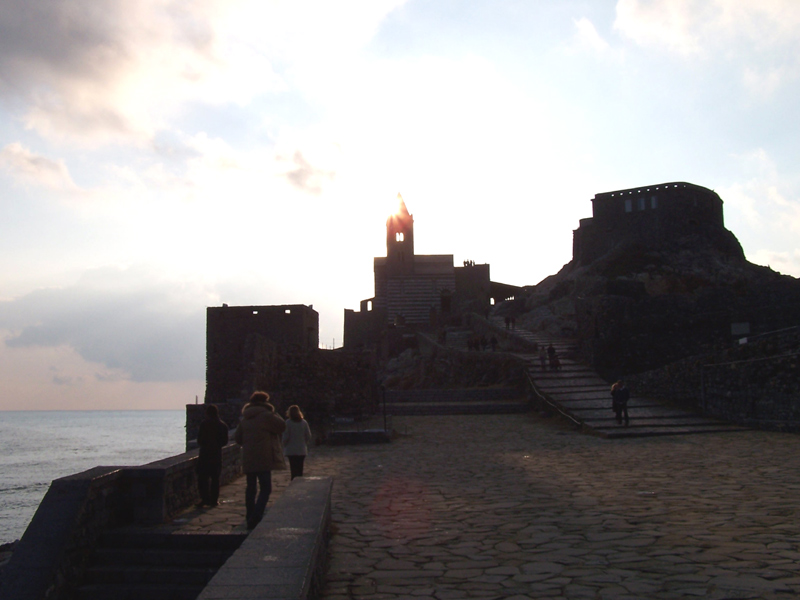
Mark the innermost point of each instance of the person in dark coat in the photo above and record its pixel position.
(259, 434)
(212, 438)
(619, 401)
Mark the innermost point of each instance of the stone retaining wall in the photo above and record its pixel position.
(53, 551)
(474, 395)
(755, 384)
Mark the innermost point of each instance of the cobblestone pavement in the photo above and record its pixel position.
(228, 517)
(512, 506)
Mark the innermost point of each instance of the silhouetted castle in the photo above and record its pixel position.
(653, 215)
(241, 343)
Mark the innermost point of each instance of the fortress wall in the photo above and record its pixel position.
(241, 344)
(54, 549)
(650, 215)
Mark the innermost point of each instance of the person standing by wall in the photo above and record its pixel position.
(259, 435)
(296, 439)
(211, 439)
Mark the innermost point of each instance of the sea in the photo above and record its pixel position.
(40, 446)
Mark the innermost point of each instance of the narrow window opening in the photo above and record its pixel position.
(399, 237)
(628, 205)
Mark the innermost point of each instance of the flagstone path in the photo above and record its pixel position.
(517, 506)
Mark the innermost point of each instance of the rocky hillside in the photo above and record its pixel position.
(638, 307)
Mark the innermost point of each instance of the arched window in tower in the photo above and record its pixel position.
(399, 236)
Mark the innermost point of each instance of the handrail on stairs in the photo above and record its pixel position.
(550, 403)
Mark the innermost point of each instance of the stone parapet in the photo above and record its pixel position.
(52, 554)
(284, 556)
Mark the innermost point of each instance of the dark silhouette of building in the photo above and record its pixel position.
(652, 215)
(241, 344)
(418, 292)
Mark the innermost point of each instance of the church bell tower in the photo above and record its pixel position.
(400, 241)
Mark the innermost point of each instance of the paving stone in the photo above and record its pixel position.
(580, 517)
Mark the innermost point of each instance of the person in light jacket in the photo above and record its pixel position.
(296, 439)
(259, 435)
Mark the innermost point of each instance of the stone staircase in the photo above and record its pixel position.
(477, 401)
(155, 566)
(581, 395)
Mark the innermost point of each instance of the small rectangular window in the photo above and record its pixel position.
(642, 204)
(628, 205)
(653, 202)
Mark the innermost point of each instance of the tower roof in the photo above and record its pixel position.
(401, 206)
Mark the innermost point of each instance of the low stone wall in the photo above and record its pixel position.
(53, 551)
(285, 555)
(458, 395)
(755, 384)
(763, 393)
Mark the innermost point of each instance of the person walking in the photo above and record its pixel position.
(211, 439)
(296, 439)
(543, 357)
(259, 435)
(619, 401)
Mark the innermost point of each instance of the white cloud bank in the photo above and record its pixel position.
(131, 324)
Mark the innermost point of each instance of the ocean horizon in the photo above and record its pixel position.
(44, 445)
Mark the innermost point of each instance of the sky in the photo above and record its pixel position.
(161, 156)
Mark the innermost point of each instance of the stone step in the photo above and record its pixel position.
(173, 591)
(161, 557)
(148, 574)
(129, 565)
(171, 541)
(631, 432)
(578, 391)
(457, 408)
(452, 400)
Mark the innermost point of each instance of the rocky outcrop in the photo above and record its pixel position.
(642, 306)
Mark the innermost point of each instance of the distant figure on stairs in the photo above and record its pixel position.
(543, 357)
(552, 355)
(619, 401)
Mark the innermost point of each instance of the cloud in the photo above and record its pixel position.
(762, 204)
(759, 38)
(672, 24)
(99, 71)
(102, 70)
(731, 28)
(587, 37)
(305, 177)
(127, 321)
(33, 169)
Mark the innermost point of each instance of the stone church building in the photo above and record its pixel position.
(417, 292)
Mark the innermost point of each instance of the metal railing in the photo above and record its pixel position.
(545, 400)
